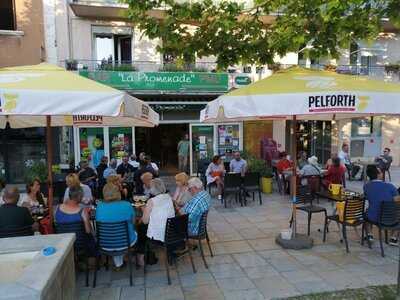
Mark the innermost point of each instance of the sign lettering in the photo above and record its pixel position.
(162, 81)
(87, 119)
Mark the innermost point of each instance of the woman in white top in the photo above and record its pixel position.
(182, 194)
(157, 210)
(73, 180)
(215, 174)
(33, 197)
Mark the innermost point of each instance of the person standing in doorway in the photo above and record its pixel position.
(183, 153)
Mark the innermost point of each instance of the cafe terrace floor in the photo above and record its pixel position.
(248, 264)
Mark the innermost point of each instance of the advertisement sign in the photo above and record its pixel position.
(163, 81)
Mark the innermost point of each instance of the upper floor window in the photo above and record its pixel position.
(7, 15)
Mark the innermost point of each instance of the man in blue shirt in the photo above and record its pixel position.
(377, 191)
(238, 164)
(196, 206)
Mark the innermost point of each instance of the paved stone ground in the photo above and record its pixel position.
(247, 264)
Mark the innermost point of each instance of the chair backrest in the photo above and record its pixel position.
(81, 237)
(202, 165)
(15, 232)
(354, 210)
(314, 182)
(251, 179)
(303, 194)
(112, 235)
(390, 213)
(203, 225)
(176, 230)
(232, 180)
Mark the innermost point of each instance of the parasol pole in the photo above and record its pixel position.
(49, 146)
(294, 172)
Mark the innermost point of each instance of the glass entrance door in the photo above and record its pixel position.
(202, 144)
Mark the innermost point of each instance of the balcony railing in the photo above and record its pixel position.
(141, 66)
(100, 2)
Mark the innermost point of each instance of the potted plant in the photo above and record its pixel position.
(257, 165)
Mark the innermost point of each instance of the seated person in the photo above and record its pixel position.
(71, 212)
(376, 191)
(384, 161)
(157, 210)
(329, 162)
(72, 180)
(125, 168)
(146, 179)
(145, 166)
(11, 215)
(182, 194)
(117, 180)
(284, 164)
(238, 164)
(33, 197)
(335, 173)
(112, 209)
(133, 162)
(345, 159)
(87, 175)
(196, 206)
(111, 169)
(302, 159)
(310, 169)
(215, 174)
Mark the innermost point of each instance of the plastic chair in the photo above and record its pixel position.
(203, 235)
(232, 185)
(15, 232)
(304, 202)
(113, 240)
(176, 234)
(251, 183)
(389, 219)
(353, 216)
(81, 245)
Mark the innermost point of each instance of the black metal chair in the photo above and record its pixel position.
(202, 166)
(389, 219)
(251, 183)
(304, 202)
(203, 235)
(113, 240)
(232, 185)
(176, 236)
(353, 216)
(81, 245)
(16, 232)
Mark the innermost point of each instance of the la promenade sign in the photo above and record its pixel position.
(161, 81)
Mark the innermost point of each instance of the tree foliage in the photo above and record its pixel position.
(235, 33)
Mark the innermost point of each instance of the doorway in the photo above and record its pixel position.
(161, 144)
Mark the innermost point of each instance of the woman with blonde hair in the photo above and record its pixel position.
(72, 180)
(182, 194)
(113, 209)
(117, 180)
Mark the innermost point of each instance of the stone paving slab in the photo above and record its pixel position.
(249, 265)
